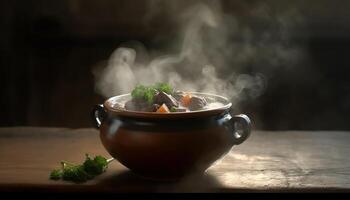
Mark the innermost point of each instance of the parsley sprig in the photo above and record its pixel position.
(81, 172)
(147, 92)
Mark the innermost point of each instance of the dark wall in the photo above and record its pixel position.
(50, 48)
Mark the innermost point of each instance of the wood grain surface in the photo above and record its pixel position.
(267, 161)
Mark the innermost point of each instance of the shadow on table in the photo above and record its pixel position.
(129, 181)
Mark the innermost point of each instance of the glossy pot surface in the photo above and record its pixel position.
(169, 146)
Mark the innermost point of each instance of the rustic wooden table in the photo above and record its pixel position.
(267, 161)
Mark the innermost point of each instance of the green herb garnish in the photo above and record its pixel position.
(75, 173)
(143, 92)
(172, 109)
(147, 92)
(56, 174)
(96, 166)
(81, 172)
(163, 87)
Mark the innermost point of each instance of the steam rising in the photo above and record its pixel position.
(212, 50)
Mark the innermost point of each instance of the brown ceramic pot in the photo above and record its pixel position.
(169, 146)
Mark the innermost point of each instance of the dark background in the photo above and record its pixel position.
(50, 48)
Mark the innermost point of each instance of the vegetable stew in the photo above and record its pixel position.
(162, 98)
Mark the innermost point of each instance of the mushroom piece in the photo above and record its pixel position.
(165, 98)
(155, 107)
(197, 103)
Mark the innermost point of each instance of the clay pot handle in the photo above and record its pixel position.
(241, 126)
(98, 114)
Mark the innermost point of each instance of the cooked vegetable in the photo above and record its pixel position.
(142, 92)
(197, 103)
(147, 92)
(81, 173)
(172, 109)
(163, 109)
(149, 99)
(186, 100)
(163, 87)
(155, 107)
(162, 97)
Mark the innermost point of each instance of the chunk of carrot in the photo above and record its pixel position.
(186, 100)
(163, 109)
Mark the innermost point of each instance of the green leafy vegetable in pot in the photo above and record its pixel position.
(172, 109)
(143, 93)
(147, 93)
(163, 87)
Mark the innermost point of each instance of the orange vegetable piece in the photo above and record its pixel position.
(163, 109)
(186, 100)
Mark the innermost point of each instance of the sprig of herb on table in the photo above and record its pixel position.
(81, 172)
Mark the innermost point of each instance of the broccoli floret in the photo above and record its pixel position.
(147, 92)
(81, 172)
